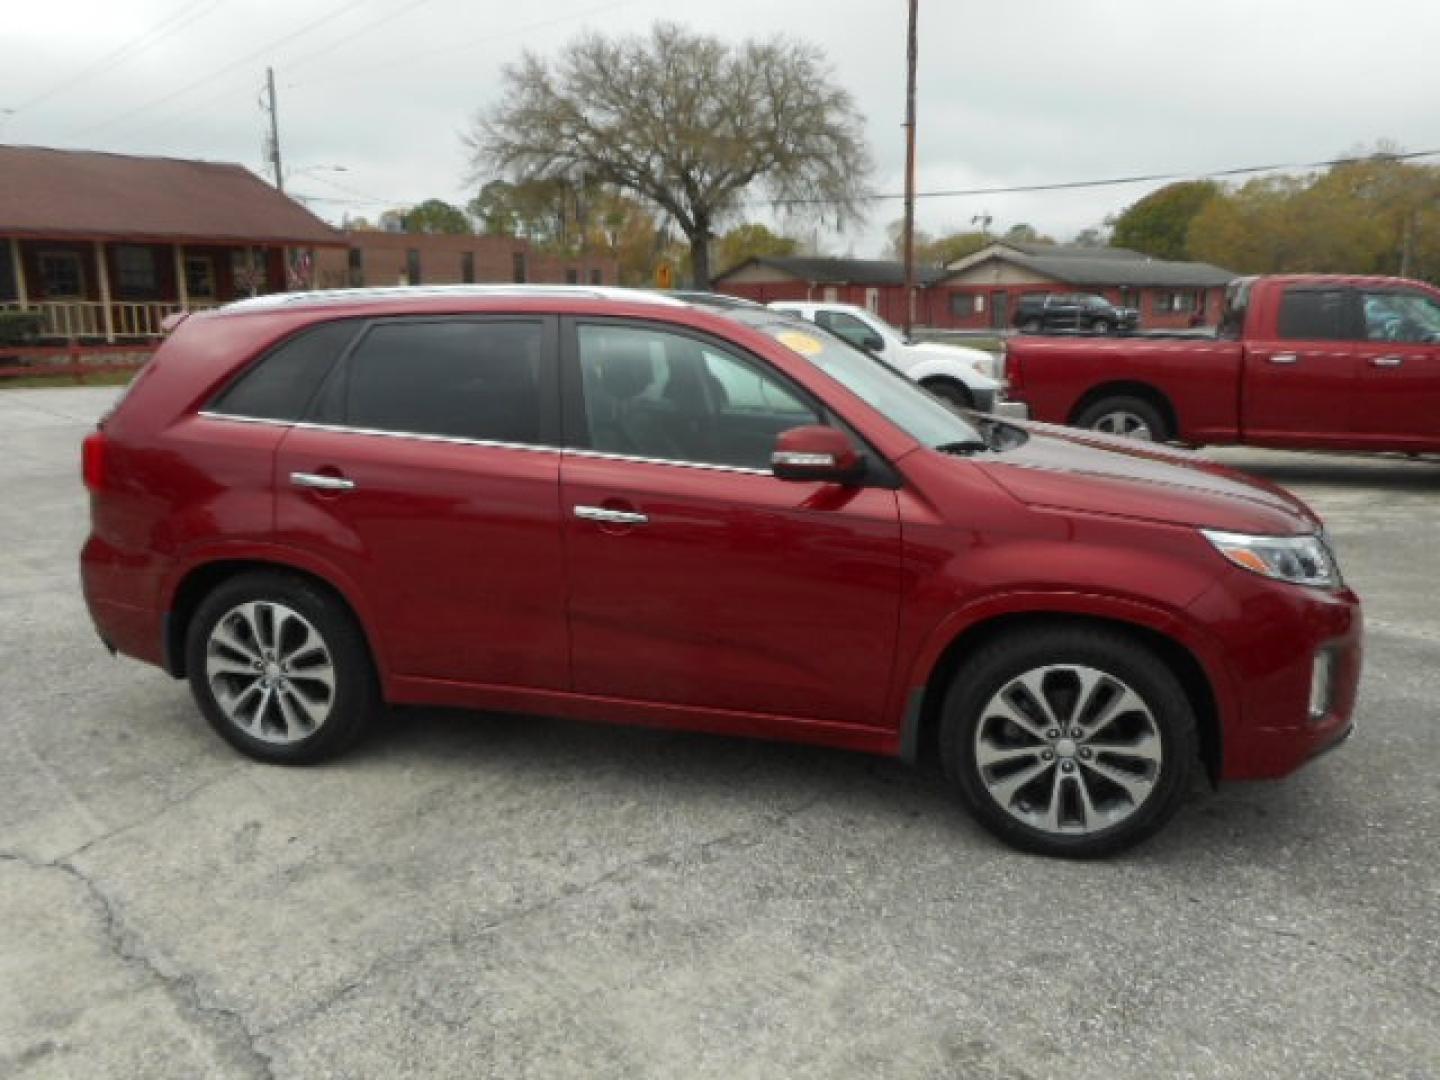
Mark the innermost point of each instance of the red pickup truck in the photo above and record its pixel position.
(1304, 361)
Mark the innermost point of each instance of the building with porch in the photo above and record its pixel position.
(102, 247)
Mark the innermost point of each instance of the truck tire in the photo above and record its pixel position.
(1132, 417)
(950, 392)
(1069, 740)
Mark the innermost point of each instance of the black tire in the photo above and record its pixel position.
(1100, 326)
(350, 701)
(950, 392)
(1171, 720)
(1104, 416)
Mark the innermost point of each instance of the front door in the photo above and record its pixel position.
(1300, 384)
(429, 475)
(1398, 403)
(697, 578)
(999, 310)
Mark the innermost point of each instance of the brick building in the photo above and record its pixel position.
(980, 291)
(374, 258)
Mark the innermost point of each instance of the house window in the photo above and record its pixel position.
(517, 267)
(135, 271)
(965, 305)
(572, 276)
(597, 276)
(200, 277)
(412, 266)
(8, 289)
(1168, 302)
(355, 264)
(60, 273)
(467, 268)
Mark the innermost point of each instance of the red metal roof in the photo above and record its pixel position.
(92, 195)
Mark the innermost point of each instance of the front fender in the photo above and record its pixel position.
(944, 367)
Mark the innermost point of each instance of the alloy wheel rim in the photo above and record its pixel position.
(1069, 750)
(1128, 424)
(270, 672)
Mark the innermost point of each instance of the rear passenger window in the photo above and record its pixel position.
(281, 385)
(466, 379)
(1316, 315)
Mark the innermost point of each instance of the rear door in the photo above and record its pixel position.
(1398, 403)
(697, 578)
(428, 473)
(1300, 384)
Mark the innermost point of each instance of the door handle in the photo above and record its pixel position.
(610, 517)
(320, 482)
(1284, 358)
(1386, 361)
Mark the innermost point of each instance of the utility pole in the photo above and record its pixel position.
(274, 129)
(910, 57)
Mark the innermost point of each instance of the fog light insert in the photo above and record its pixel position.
(1322, 678)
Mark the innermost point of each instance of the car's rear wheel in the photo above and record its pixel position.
(281, 669)
(1069, 741)
(1132, 417)
(949, 391)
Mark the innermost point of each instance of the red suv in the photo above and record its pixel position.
(625, 508)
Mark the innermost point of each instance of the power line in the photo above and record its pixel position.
(324, 49)
(1068, 185)
(405, 61)
(211, 76)
(172, 24)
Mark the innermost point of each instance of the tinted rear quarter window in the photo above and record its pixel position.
(1316, 315)
(280, 385)
(466, 379)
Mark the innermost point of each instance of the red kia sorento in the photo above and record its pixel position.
(621, 507)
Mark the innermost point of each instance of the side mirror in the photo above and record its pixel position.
(815, 453)
(872, 343)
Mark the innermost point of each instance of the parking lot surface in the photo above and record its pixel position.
(509, 896)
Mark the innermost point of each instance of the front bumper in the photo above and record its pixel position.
(1273, 633)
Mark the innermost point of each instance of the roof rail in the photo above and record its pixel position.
(272, 301)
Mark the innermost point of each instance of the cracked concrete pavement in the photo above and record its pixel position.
(510, 896)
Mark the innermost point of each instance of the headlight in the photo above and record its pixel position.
(1303, 560)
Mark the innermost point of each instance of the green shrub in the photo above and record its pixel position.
(19, 327)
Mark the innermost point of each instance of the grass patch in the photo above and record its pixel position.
(99, 378)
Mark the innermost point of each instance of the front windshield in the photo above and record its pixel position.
(887, 391)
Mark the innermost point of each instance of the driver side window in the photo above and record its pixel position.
(667, 396)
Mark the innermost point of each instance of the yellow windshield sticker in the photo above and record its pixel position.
(803, 344)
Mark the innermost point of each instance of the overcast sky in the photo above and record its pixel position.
(1011, 92)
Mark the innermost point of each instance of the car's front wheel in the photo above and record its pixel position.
(280, 668)
(1071, 741)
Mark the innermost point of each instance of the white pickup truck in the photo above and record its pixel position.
(957, 375)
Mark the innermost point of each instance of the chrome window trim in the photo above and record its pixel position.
(342, 429)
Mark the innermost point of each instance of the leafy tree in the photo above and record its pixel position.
(1159, 224)
(686, 122)
(750, 240)
(935, 250)
(435, 216)
(1022, 232)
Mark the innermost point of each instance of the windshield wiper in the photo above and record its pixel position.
(964, 447)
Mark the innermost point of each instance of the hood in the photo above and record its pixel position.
(1068, 469)
(979, 359)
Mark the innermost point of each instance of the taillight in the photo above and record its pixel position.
(92, 460)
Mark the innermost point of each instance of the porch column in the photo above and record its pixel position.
(102, 275)
(19, 272)
(182, 289)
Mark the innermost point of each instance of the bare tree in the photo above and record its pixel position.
(684, 121)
